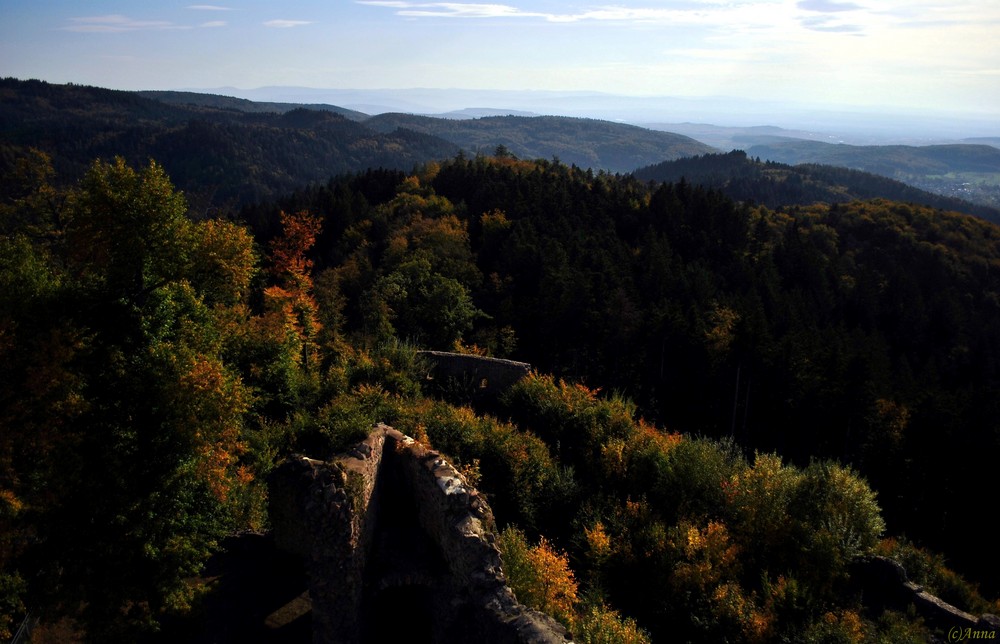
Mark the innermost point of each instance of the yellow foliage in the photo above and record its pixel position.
(613, 458)
(760, 496)
(494, 221)
(227, 260)
(847, 623)
(469, 349)
(9, 503)
(721, 334)
(540, 576)
(557, 584)
(893, 418)
(598, 541)
(708, 556)
(602, 625)
(471, 473)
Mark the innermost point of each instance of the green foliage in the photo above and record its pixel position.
(698, 524)
(128, 233)
(149, 370)
(838, 518)
(424, 307)
(898, 628)
(524, 483)
(570, 416)
(117, 346)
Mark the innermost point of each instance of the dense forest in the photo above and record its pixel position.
(732, 403)
(225, 153)
(588, 143)
(222, 157)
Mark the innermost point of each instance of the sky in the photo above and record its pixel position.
(923, 55)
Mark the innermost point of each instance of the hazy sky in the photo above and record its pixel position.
(927, 54)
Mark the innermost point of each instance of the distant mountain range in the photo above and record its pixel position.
(587, 143)
(225, 151)
(866, 126)
(886, 160)
(217, 101)
(228, 151)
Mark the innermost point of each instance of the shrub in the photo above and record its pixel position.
(540, 576)
(598, 624)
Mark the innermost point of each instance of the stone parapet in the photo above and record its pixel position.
(488, 376)
(397, 544)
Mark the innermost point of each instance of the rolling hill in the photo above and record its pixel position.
(587, 143)
(966, 170)
(225, 152)
(775, 184)
(221, 102)
(220, 157)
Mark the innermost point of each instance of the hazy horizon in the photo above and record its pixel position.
(848, 124)
(928, 57)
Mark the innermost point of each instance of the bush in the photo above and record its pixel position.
(598, 624)
(540, 576)
(835, 519)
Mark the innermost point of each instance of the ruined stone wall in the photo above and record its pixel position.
(398, 545)
(490, 375)
(886, 585)
(325, 512)
(481, 606)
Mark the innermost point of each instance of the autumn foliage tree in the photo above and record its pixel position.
(122, 430)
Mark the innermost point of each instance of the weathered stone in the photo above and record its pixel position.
(391, 528)
(490, 376)
(885, 585)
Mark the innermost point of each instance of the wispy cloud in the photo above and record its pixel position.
(213, 23)
(459, 10)
(727, 15)
(824, 23)
(286, 24)
(208, 7)
(825, 16)
(115, 23)
(828, 6)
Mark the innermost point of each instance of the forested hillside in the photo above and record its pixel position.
(968, 171)
(774, 184)
(220, 156)
(587, 143)
(244, 105)
(225, 153)
(864, 331)
(733, 404)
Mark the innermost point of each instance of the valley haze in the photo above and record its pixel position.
(683, 115)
